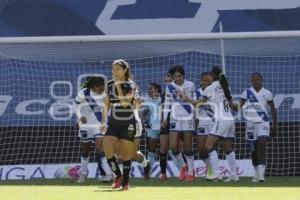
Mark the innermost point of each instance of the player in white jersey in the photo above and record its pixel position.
(205, 118)
(164, 134)
(181, 120)
(217, 96)
(255, 102)
(88, 106)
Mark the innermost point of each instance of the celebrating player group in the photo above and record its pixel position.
(113, 115)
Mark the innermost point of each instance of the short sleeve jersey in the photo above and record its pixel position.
(118, 114)
(256, 104)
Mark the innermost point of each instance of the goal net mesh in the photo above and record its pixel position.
(39, 81)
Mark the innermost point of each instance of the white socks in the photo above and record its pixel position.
(84, 165)
(190, 162)
(232, 163)
(105, 166)
(214, 162)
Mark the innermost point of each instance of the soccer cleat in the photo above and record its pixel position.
(117, 183)
(261, 179)
(183, 172)
(106, 179)
(163, 177)
(213, 178)
(255, 177)
(123, 188)
(81, 179)
(232, 178)
(82, 176)
(209, 171)
(190, 178)
(147, 171)
(261, 173)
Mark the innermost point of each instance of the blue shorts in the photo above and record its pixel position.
(154, 134)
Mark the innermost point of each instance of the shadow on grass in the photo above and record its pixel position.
(172, 182)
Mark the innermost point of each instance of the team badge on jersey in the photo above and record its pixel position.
(131, 130)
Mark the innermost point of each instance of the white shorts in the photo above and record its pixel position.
(257, 129)
(182, 125)
(204, 129)
(223, 128)
(88, 133)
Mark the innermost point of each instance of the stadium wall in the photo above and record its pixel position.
(105, 17)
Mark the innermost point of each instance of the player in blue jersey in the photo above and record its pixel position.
(152, 119)
(138, 156)
(255, 102)
(89, 109)
(164, 132)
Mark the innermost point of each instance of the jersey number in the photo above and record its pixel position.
(226, 106)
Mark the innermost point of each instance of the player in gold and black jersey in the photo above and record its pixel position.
(123, 121)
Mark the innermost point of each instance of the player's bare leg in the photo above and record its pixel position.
(188, 143)
(152, 145)
(109, 145)
(177, 154)
(164, 147)
(126, 152)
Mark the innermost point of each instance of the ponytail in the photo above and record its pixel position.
(217, 73)
(224, 83)
(88, 82)
(93, 81)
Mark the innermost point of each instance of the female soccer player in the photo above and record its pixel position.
(151, 112)
(205, 117)
(89, 109)
(218, 95)
(181, 120)
(164, 132)
(138, 156)
(254, 102)
(122, 127)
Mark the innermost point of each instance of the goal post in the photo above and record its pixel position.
(39, 78)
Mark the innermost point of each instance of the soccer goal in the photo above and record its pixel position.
(40, 77)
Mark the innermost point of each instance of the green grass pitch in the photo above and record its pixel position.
(275, 188)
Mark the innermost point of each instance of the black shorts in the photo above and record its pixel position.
(126, 132)
(165, 131)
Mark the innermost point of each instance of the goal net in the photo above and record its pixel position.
(40, 77)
